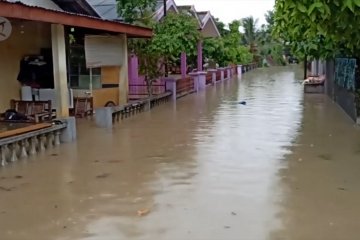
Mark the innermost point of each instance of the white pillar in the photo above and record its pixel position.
(321, 67)
(228, 73)
(202, 80)
(239, 70)
(60, 70)
(124, 74)
(313, 67)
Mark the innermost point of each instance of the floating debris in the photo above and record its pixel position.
(143, 212)
(114, 161)
(104, 175)
(326, 157)
(7, 189)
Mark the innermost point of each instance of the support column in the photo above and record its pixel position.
(183, 65)
(124, 73)
(202, 80)
(239, 71)
(320, 68)
(200, 56)
(134, 69)
(170, 85)
(60, 70)
(313, 68)
(213, 73)
(194, 76)
(222, 71)
(228, 73)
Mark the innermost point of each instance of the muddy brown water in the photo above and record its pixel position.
(282, 167)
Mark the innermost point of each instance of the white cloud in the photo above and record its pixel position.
(228, 10)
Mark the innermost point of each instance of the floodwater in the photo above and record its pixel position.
(282, 167)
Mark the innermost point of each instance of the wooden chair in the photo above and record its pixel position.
(83, 106)
(36, 111)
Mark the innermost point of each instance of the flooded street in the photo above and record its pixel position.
(281, 167)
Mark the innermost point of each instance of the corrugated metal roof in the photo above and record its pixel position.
(78, 6)
(47, 14)
(47, 4)
(107, 9)
(202, 15)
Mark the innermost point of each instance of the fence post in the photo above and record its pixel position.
(213, 73)
(195, 76)
(202, 80)
(103, 117)
(239, 71)
(222, 74)
(228, 69)
(170, 85)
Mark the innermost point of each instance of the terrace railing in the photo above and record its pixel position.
(184, 86)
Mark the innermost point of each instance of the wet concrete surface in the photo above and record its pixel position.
(283, 166)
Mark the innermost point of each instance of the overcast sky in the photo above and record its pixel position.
(228, 10)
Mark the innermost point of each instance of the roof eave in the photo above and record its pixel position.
(21, 11)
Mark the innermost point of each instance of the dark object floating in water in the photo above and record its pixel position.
(242, 103)
(104, 175)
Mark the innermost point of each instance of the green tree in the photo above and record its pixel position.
(221, 27)
(136, 11)
(268, 46)
(228, 49)
(249, 25)
(177, 33)
(270, 19)
(319, 29)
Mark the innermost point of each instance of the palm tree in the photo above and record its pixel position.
(249, 25)
(250, 35)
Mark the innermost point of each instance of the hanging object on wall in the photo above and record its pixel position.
(103, 51)
(5, 28)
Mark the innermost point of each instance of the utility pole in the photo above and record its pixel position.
(165, 7)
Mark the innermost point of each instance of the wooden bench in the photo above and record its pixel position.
(35, 111)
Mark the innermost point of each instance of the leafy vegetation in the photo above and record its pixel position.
(136, 11)
(227, 49)
(174, 34)
(319, 29)
(270, 48)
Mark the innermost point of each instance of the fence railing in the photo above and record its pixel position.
(141, 90)
(31, 143)
(184, 85)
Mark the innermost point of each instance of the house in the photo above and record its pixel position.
(41, 40)
(44, 26)
(107, 10)
(207, 27)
